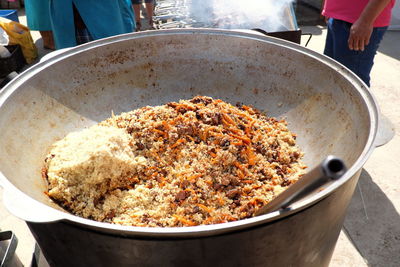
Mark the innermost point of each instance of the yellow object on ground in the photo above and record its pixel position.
(21, 35)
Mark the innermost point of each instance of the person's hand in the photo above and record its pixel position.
(360, 33)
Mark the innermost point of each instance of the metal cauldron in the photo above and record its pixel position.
(329, 108)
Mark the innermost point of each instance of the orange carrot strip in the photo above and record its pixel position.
(240, 174)
(221, 201)
(204, 135)
(239, 166)
(236, 131)
(194, 177)
(248, 109)
(209, 182)
(177, 143)
(160, 132)
(229, 217)
(212, 154)
(208, 220)
(184, 220)
(190, 190)
(204, 207)
(250, 156)
(243, 138)
(166, 125)
(191, 138)
(228, 119)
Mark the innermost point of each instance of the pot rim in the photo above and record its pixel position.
(49, 214)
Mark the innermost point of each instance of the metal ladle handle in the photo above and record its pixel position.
(330, 169)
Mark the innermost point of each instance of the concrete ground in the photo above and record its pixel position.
(371, 232)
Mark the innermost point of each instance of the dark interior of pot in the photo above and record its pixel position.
(324, 104)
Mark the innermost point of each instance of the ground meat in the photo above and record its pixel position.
(186, 163)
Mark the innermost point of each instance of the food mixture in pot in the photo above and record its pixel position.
(186, 163)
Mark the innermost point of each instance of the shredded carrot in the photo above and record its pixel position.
(194, 196)
(190, 190)
(184, 106)
(177, 143)
(150, 168)
(256, 186)
(191, 138)
(244, 115)
(208, 220)
(255, 201)
(229, 217)
(212, 154)
(239, 166)
(160, 132)
(240, 174)
(209, 182)
(166, 125)
(250, 156)
(248, 109)
(247, 181)
(243, 138)
(251, 124)
(214, 160)
(154, 174)
(236, 131)
(184, 220)
(194, 177)
(204, 207)
(154, 154)
(228, 119)
(221, 201)
(204, 135)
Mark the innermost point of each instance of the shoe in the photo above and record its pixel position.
(138, 26)
(152, 25)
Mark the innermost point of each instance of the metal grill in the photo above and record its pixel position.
(184, 14)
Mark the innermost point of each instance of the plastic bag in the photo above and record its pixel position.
(3, 37)
(4, 53)
(20, 34)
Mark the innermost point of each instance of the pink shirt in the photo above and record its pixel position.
(350, 10)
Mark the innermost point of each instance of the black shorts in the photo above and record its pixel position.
(139, 2)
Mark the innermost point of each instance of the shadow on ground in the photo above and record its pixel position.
(390, 44)
(373, 224)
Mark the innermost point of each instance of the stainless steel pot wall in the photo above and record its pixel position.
(326, 105)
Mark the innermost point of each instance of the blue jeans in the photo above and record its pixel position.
(336, 47)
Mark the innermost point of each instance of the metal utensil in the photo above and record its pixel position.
(330, 169)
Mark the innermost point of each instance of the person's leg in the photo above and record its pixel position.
(136, 9)
(360, 62)
(150, 12)
(366, 60)
(329, 42)
(48, 41)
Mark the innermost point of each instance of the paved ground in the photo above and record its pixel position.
(371, 232)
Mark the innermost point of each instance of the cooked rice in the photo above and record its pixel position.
(186, 163)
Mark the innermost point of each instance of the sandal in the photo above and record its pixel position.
(152, 26)
(138, 26)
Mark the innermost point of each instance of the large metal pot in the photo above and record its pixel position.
(329, 108)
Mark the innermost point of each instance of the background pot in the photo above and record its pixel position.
(326, 105)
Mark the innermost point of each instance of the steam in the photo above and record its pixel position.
(269, 15)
